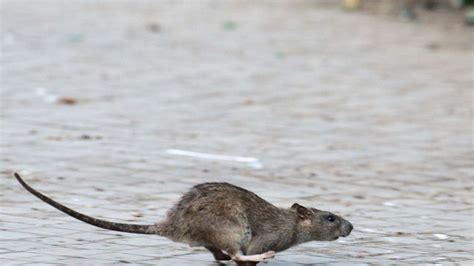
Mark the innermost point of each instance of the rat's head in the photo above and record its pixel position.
(314, 224)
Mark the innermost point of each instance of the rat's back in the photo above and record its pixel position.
(209, 212)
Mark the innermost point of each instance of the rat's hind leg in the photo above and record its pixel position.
(218, 254)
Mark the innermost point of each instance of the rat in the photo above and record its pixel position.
(229, 221)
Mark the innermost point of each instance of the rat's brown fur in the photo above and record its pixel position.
(225, 218)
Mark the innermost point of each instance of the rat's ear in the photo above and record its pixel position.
(295, 205)
(303, 212)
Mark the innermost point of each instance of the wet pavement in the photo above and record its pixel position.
(361, 115)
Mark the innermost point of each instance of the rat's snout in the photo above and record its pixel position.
(346, 228)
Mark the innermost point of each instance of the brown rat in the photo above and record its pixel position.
(231, 222)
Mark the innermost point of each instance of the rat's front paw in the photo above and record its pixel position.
(268, 255)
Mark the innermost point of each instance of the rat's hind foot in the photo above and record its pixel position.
(218, 254)
(254, 258)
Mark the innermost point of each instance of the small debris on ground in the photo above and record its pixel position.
(66, 100)
(85, 137)
(56, 138)
(470, 17)
(250, 161)
(153, 27)
(441, 236)
(76, 37)
(230, 25)
(280, 55)
(248, 101)
(89, 137)
(351, 4)
(47, 97)
(433, 46)
(137, 214)
(409, 14)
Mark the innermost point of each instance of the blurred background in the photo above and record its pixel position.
(116, 108)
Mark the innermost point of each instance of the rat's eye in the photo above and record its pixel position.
(331, 218)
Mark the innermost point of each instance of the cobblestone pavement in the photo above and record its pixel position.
(362, 115)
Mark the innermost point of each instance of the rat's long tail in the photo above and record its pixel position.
(128, 228)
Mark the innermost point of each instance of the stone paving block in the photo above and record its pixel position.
(8, 235)
(147, 241)
(19, 255)
(13, 262)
